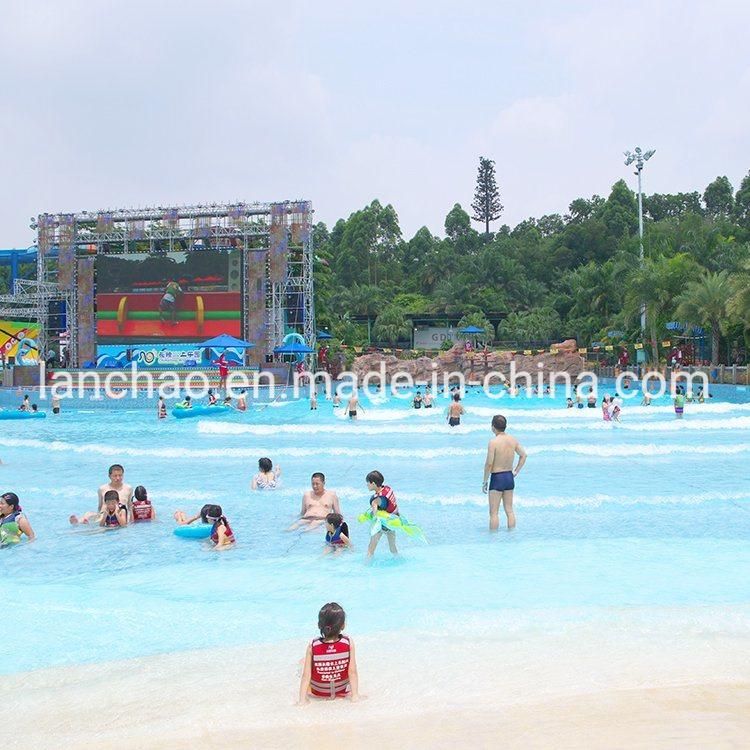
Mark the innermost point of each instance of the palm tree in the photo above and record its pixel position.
(705, 301)
(391, 325)
(656, 283)
(738, 306)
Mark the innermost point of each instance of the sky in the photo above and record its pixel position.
(126, 104)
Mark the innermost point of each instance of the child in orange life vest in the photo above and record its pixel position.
(383, 499)
(330, 669)
(142, 508)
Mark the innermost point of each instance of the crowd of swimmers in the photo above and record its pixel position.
(119, 505)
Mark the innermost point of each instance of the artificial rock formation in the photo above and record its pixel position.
(474, 365)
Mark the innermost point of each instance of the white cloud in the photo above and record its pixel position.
(134, 103)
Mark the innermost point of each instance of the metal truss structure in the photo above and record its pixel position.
(277, 262)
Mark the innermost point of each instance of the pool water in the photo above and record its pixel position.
(652, 513)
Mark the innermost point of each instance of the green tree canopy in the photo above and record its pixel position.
(719, 197)
(704, 301)
(486, 204)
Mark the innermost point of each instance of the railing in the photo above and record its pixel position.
(724, 374)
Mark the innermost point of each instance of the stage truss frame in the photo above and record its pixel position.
(280, 233)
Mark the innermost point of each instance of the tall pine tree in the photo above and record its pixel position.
(486, 205)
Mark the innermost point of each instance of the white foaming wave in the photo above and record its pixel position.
(210, 427)
(643, 449)
(352, 428)
(353, 494)
(388, 415)
(562, 412)
(108, 450)
(78, 492)
(557, 501)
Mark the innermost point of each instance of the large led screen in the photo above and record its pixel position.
(172, 296)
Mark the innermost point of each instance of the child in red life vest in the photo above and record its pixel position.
(330, 669)
(142, 508)
(221, 532)
(383, 498)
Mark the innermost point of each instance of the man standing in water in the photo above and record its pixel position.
(125, 491)
(353, 406)
(455, 410)
(499, 472)
(317, 503)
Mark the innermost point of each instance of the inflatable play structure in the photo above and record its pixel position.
(219, 410)
(9, 414)
(137, 316)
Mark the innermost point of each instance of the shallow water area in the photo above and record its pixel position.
(649, 514)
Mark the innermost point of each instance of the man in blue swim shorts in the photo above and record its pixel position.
(499, 474)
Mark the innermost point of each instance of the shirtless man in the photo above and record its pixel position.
(317, 503)
(125, 491)
(353, 406)
(455, 410)
(499, 464)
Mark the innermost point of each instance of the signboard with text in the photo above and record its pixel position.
(433, 337)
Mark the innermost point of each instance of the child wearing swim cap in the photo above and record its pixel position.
(330, 669)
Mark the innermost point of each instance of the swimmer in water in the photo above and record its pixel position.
(221, 532)
(499, 474)
(161, 408)
(336, 400)
(384, 499)
(267, 477)
(353, 406)
(13, 522)
(241, 401)
(114, 514)
(124, 491)
(337, 534)
(455, 410)
(317, 504)
(143, 510)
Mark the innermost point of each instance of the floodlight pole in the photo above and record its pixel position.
(639, 157)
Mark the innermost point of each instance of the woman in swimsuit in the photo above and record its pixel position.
(267, 477)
